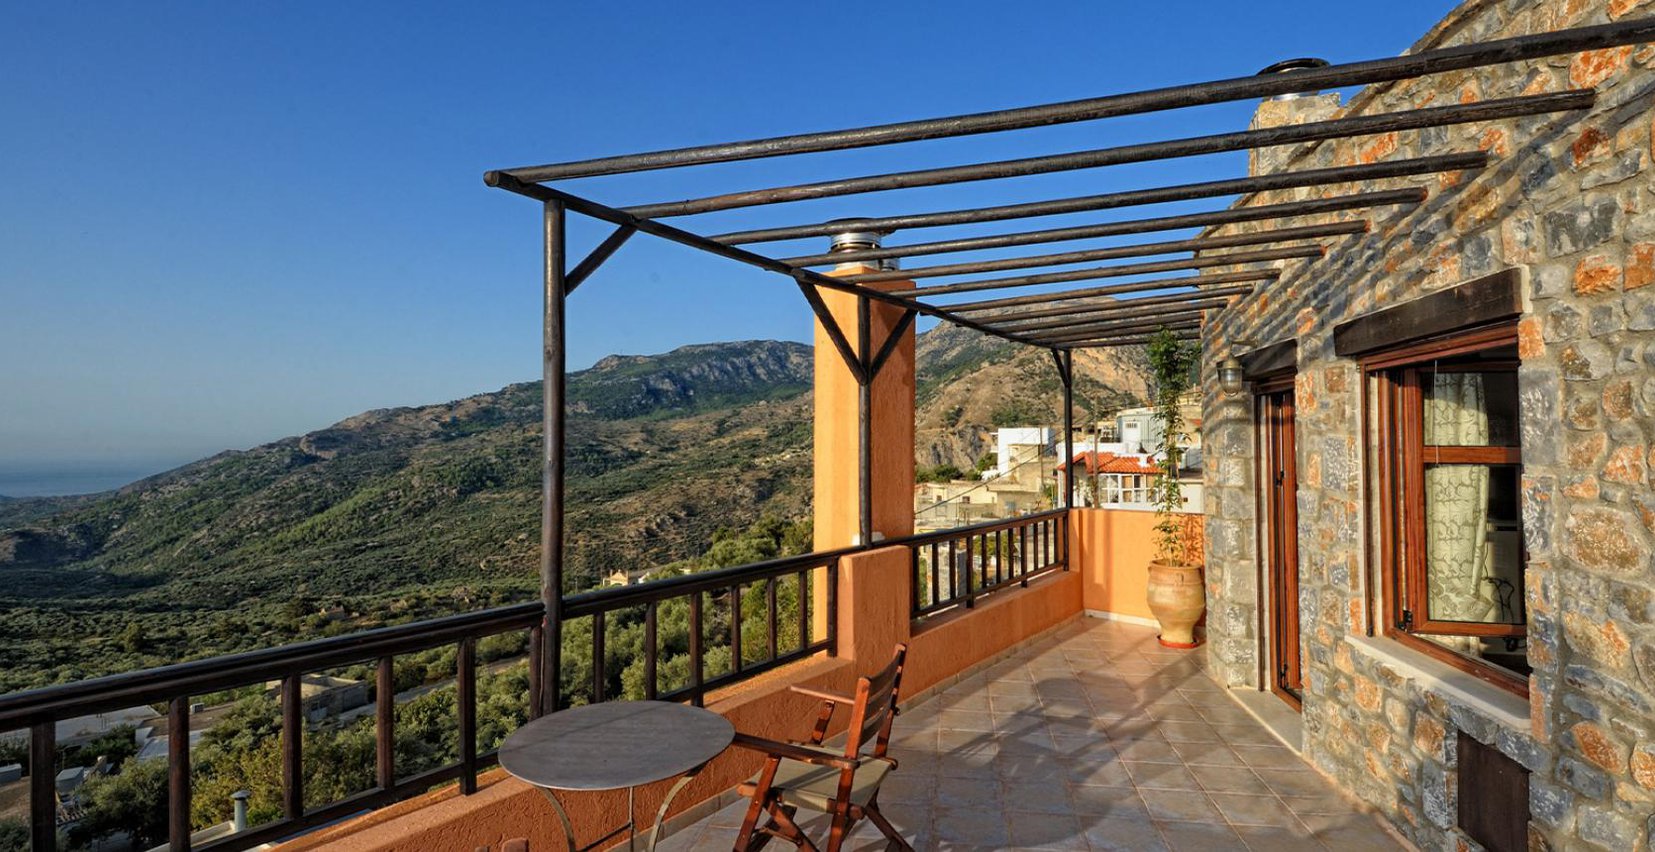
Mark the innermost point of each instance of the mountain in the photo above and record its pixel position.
(967, 384)
(404, 513)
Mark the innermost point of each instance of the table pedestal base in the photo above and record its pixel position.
(631, 825)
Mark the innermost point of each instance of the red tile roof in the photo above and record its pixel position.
(1111, 463)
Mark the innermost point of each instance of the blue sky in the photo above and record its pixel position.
(225, 223)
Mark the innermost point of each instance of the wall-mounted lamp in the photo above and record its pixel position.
(1231, 378)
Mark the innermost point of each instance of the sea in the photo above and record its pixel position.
(56, 480)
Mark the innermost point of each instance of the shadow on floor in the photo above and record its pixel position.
(1097, 738)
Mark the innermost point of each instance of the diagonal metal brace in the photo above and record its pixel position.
(890, 343)
(834, 332)
(1064, 374)
(603, 252)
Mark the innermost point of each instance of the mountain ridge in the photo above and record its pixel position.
(407, 512)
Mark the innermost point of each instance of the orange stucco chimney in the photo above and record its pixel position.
(837, 429)
(1283, 110)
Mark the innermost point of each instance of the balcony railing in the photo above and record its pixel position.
(40, 710)
(763, 615)
(955, 567)
(778, 595)
(746, 609)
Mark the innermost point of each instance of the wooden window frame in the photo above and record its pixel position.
(1397, 409)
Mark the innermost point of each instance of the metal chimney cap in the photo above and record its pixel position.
(1288, 66)
(857, 237)
(854, 237)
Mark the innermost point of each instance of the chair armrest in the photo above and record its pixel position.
(792, 752)
(825, 696)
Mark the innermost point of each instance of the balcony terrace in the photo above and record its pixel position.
(1029, 724)
(1093, 736)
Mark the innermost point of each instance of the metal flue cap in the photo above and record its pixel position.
(1288, 66)
(855, 238)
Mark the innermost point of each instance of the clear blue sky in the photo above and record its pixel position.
(225, 223)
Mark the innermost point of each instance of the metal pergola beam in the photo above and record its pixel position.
(1229, 216)
(1211, 300)
(1147, 330)
(588, 207)
(1439, 60)
(1116, 343)
(1359, 174)
(1083, 331)
(1253, 275)
(1200, 244)
(1240, 140)
(1000, 319)
(1207, 262)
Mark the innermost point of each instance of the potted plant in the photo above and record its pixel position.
(1177, 594)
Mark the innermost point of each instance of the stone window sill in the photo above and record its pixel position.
(1450, 683)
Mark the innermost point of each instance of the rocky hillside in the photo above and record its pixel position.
(405, 513)
(970, 383)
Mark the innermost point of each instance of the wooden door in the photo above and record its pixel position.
(1281, 486)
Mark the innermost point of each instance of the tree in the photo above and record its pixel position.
(1172, 365)
(14, 835)
(133, 801)
(115, 746)
(132, 638)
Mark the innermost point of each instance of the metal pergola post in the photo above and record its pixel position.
(553, 363)
(1066, 374)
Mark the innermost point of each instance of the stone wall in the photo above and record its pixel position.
(1569, 199)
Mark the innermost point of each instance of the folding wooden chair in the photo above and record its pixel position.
(813, 776)
(842, 782)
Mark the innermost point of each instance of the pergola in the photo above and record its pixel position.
(1089, 317)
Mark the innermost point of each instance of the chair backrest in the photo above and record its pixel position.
(875, 707)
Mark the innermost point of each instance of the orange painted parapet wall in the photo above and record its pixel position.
(874, 601)
(1112, 548)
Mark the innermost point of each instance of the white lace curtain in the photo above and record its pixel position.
(1458, 556)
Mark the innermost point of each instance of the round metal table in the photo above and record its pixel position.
(613, 745)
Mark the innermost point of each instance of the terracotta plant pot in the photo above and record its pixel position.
(1178, 597)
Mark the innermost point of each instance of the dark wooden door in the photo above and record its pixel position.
(1281, 485)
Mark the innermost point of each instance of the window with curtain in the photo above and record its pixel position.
(1446, 499)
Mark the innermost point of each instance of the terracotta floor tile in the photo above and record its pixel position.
(1242, 809)
(1045, 831)
(1180, 805)
(1207, 754)
(971, 826)
(1162, 776)
(1200, 837)
(1126, 835)
(1230, 779)
(1097, 773)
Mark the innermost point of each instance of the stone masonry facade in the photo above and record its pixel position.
(1570, 200)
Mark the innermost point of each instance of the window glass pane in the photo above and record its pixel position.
(1470, 409)
(1473, 544)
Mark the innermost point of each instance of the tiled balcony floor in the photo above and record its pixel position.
(1096, 738)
